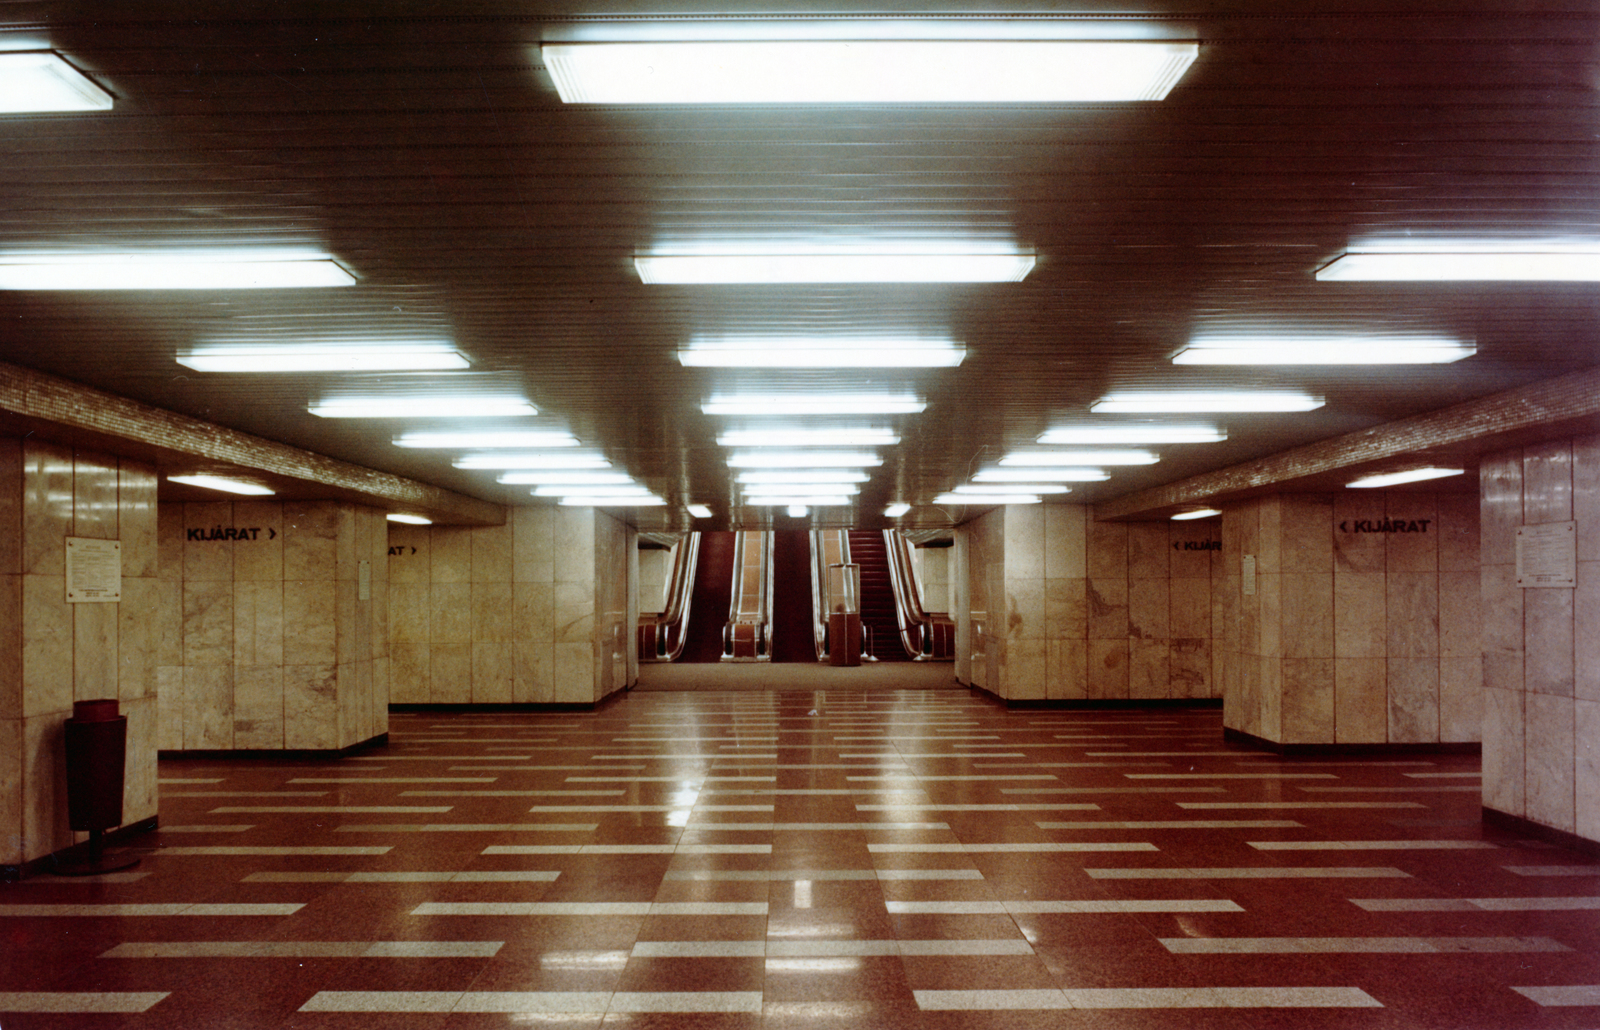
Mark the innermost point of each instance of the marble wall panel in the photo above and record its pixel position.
(310, 546)
(1586, 643)
(1149, 550)
(1500, 507)
(410, 611)
(1548, 667)
(1149, 609)
(170, 520)
(1108, 607)
(207, 560)
(309, 630)
(94, 651)
(1306, 604)
(1183, 560)
(1504, 671)
(1586, 496)
(450, 669)
(1504, 751)
(1270, 676)
(1267, 609)
(1586, 771)
(532, 545)
(140, 790)
(1549, 767)
(574, 539)
(574, 673)
(1025, 609)
(1460, 614)
(1458, 533)
(1023, 525)
(1149, 669)
(410, 679)
(1191, 667)
(1308, 692)
(410, 554)
(493, 669)
(44, 776)
(11, 798)
(47, 507)
(1547, 483)
(46, 646)
(1269, 542)
(310, 706)
(207, 622)
(258, 623)
(1360, 615)
(573, 613)
(258, 712)
(1108, 668)
(207, 707)
(11, 493)
(170, 701)
(1024, 669)
(1307, 528)
(450, 612)
(352, 636)
(11, 628)
(1189, 614)
(136, 518)
(1461, 699)
(1501, 608)
(1066, 541)
(491, 548)
(1413, 700)
(1412, 551)
(1107, 550)
(1066, 609)
(259, 559)
(533, 671)
(1361, 700)
(1068, 669)
(1358, 552)
(1412, 614)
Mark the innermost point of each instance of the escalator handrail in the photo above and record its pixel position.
(761, 616)
(682, 588)
(913, 619)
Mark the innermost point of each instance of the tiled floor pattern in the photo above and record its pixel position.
(809, 861)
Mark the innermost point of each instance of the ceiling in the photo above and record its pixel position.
(424, 147)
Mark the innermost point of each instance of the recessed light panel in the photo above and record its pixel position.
(821, 352)
(895, 511)
(526, 439)
(530, 460)
(804, 460)
(867, 71)
(1465, 266)
(597, 501)
(1096, 436)
(791, 436)
(833, 267)
(1203, 513)
(575, 478)
(1142, 402)
(38, 81)
(801, 500)
(792, 404)
(421, 406)
(1079, 457)
(699, 511)
(409, 520)
(1323, 350)
(795, 477)
(232, 486)
(991, 489)
(1398, 478)
(593, 490)
(955, 498)
(1040, 475)
(151, 272)
(389, 355)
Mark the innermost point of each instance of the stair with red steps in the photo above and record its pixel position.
(877, 595)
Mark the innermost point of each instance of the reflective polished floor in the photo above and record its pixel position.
(810, 861)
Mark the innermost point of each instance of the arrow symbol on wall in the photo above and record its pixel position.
(1344, 527)
(272, 534)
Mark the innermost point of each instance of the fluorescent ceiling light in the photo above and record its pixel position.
(1466, 265)
(1048, 458)
(793, 437)
(814, 404)
(232, 486)
(395, 355)
(836, 267)
(760, 489)
(593, 490)
(1011, 488)
(821, 352)
(1323, 350)
(805, 500)
(867, 71)
(1040, 475)
(1203, 513)
(894, 511)
(797, 511)
(804, 477)
(1396, 478)
(150, 272)
(557, 478)
(530, 461)
(597, 501)
(1204, 400)
(699, 511)
(1104, 435)
(955, 498)
(422, 406)
(410, 520)
(804, 460)
(467, 440)
(40, 81)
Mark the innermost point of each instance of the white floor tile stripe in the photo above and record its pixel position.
(333, 809)
(467, 828)
(979, 808)
(264, 851)
(1356, 945)
(210, 828)
(304, 949)
(1147, 998)
(80, 1001)
(1576, 994)
(627, 849)
(181, 908)
(398, 876)
(1418, 789)
(534, 1002)
(1198, 805)
(1248, 873)
(1173, 824)
(1554, 870)
(1372, 845)
(898, 849)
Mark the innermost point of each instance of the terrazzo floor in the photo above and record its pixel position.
(810, 861)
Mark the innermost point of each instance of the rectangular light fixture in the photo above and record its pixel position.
(844, 266)
(1040, 475)
(768, 489)
(151, 272)
(867, 70)
(1011, 488)
(699, 511)
(1323, 350)
(803, 476)
(596, 501)
(1203, 513)
(593, 490)
(797, 500)
(1045, 459)
(469, 440)
(804, 460)
(1467, 265)
(955, 498)
(232, 486)
(577, 478)
(895, 511)
(389, 355)
(421, 406)
(821, 352)
(1397, 478)
(1097, 436)
(814, 404)
(409, 520)
(39, 81)
(530, 460)
(1147, 401)
(797, 437)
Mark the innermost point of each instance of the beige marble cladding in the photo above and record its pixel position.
(53, 653)
(262, 630)
(536, 611)
(1541, 658)
(1366, 615)
(1052, 605)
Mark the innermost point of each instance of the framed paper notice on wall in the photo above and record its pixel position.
(1547, 555)
(94, 570)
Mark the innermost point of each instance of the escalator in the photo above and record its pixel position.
(712, 596)
(878, 603)
(793, 636)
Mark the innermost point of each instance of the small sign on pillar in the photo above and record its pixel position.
(94, 570)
